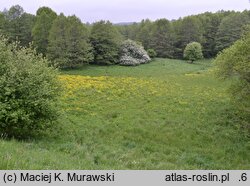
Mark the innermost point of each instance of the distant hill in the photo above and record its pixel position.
(124, 23)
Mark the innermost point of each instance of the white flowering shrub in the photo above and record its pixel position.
(132, 54)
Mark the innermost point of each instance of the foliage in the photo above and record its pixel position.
(105, 40)
(57, 47)
(28, 92)
(233, 63)
(210, 24)
(215, 31)
(152, 53)
(68, 43)
(193, 52)
(187, 30)
(27, 22)
(162, 39)
(174, 115)
(132, 54)
(79, 50)
(17, 25)
(230, 29)
(144, 33)
(2, 22)
(40, 32)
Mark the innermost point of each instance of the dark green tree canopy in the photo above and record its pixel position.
(144, 33)
(40, 32)
(68, 42)
(17, 25)
(231, 29)
(190, 31)
(105, 40)
(57, 46)
(14, 12)
(162, 39)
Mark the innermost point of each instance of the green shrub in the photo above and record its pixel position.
(132, 54)
(234, 63)
(152, 53)
(28, 92)
(193, 52)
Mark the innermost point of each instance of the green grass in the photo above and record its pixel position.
(164, 115)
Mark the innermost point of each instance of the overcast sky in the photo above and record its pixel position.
(129, 10)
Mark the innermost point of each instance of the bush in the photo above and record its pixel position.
(133, 54)
(234, 63)
(152, 53)
(193, 52)
(28, 92)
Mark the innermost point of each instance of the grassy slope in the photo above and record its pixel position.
(162, 115)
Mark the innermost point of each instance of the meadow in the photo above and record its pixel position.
(167, 114)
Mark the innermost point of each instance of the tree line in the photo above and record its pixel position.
(214, 31)
(67, 42)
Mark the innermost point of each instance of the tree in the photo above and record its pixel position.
(13, 23)
(187, 30)
(68, 43)
(2, 22)
(210, 25)
(40, 32)
(29, 91)
(79, 50)
(162, 40)
(230, 29)
(193, 52)
(27, 23)
(15, 12)
(133, 54)
(57, 46)
(233, 63)
(17, 25)
(105, 40)
(144, 33)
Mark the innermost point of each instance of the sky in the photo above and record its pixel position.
(129, 10)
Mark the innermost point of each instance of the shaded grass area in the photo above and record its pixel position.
(164, 115)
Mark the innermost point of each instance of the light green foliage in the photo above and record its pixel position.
(193, 52)
(68, 43)
(28, 92)
(152, 53)
(40, 32)
(105, 40)
(132, 54)
(234, 63)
